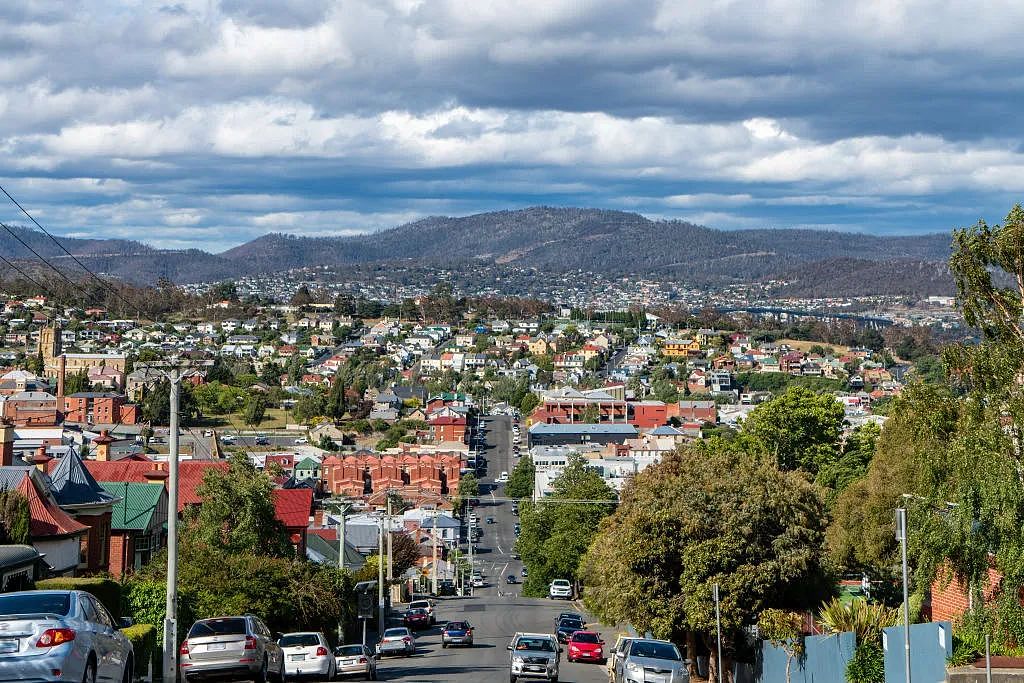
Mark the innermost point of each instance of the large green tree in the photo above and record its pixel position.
(255, 410)
(801, 429)
(521, 479)
(556, 531)
(712, 513)
(237, 514)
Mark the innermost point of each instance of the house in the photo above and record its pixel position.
(136, 524)
(293, 507)
(697, 411)
(680, 348)
(648, 414)
(447, 429)
(52, 532)
(93, 407)
(307, 468)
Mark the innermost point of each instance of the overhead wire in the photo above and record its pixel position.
(102, 283)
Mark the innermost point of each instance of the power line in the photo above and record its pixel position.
(29, 278)
(37, 254)
(64, 249)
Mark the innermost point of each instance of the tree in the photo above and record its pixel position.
(783, 629)
(405, 553)
(156, 404)
(591, 414)
(469, 487)
(665, 391)
(521, 479)
(302, 297)
(14, 518)
(714, 512)
(857, 451)
(34, 363)
(555, 535)
(224, 291)
(255, 410)
(76, 383)
(800, 429)
(237, 513)
(529, 403)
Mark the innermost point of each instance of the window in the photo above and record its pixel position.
(35, 603)
(87, 609)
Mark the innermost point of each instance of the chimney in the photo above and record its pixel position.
(318, 517)
(102, 444)
(6, 442)
(41, 459)
(157, 475)
(62, 365)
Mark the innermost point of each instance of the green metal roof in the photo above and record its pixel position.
(307, 464)
(137, 506)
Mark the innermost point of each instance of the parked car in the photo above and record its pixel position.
(534, 655)
(617, 652)
(585, 646)
(61, 636)
(457, 633)
(560, 589)
(223, 647)
(645, 654)
(397, 641)
(416, 618)
(570, 615)
(227, 439)
(523, 572)
(566, 627)
(262, 440)
(511, 578)
(427, 605)
(353, 660)
(490, 520)
(503, 477)
(478, 582)
(307, 654)
(446, 587)
(300, 441)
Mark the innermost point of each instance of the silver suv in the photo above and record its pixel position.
(231, 647)
(534, 655)
(61, 636)
(647, 660)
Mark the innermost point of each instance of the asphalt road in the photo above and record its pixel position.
(496, 611)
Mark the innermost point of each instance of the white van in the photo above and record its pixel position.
(503, 477)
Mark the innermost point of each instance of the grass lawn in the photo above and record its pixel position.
(274, 418)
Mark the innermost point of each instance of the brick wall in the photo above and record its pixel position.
(949, 596)
(118, 559)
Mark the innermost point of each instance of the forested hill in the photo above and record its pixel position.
(550, 239)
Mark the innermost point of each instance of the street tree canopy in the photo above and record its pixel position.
(521, 479)
(554, 536)
(711, 513)
(801, 429)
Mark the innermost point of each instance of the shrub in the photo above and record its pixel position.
(144, 645)
(867, 664)
(107, 591)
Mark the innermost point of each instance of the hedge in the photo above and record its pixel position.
(107, 591)
(144, 645)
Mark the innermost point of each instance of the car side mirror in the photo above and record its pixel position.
(508, 647)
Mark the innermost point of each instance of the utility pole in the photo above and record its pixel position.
(901, 532)
(341, 567)
(389, 538)
(718, 628)
(470, 554)
(171, 616)
(380, 579)
(434, 565)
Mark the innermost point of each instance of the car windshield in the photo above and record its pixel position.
(299, 640)
(456, 626)
(585, 637)
(396, 632)
(350, 650)
(419, 604)
(560, 584)
(570, 615)
(655, 650)
(36, 603)
(570, 623)
(535, 644)
(417, 612)
(232, 626)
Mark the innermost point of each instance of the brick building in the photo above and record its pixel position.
(94, 407)
(648, 414)
(365, 473)
(448, 429)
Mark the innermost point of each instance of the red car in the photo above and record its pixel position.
(417, 618)
(586, 646)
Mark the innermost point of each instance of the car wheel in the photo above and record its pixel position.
(90, 672)
(444, 645)
(261, 675)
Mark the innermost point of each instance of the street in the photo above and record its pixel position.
(496, 611)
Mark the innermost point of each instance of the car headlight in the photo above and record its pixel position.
(633, 667)
(518, 660)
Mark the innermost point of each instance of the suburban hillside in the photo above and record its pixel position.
(546, 238)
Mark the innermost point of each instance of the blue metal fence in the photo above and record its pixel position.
(930, 645)
(824, 662)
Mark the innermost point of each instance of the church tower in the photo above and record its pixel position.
(49, 347)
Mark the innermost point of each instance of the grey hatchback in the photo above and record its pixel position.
(231, 647)
(61, 636)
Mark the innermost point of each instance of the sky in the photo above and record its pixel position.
(206, 123)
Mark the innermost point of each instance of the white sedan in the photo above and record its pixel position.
(307, 654)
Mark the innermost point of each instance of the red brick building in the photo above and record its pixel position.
(365, 473)
(695, 411)
(950, 597)
(448, 429)
(568, 406)
(648, 414)
(99, 408)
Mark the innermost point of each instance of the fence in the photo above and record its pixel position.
(930, 645)
(824, 660)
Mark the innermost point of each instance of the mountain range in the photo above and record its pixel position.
(552, 240)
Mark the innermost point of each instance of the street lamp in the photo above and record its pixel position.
(901, 534)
